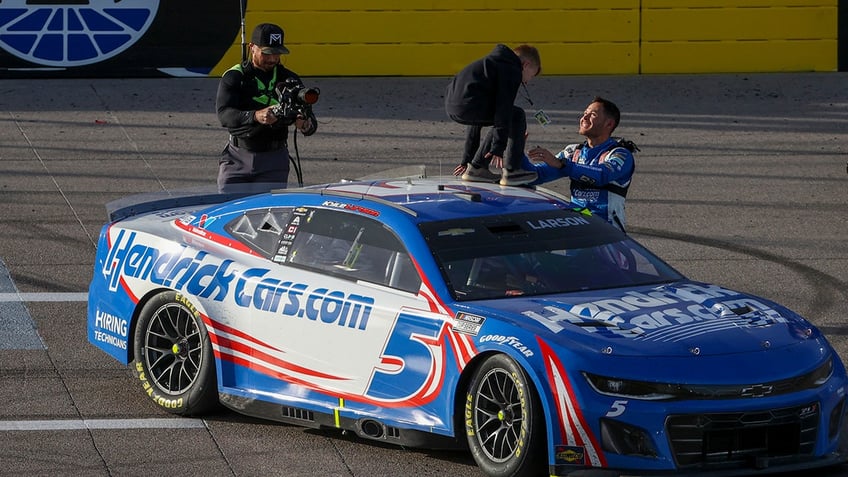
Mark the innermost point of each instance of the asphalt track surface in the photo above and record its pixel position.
(741, 181)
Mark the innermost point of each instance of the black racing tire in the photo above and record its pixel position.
(504, 420)
(173, 356)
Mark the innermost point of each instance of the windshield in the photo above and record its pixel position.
(541, 253)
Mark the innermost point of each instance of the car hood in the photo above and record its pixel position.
(680, 319)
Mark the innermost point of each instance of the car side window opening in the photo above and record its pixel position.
(261, 229)
(352, 246)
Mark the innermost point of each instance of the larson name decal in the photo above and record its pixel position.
(556, 222)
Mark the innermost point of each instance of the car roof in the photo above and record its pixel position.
(421, 197)
(442, 198)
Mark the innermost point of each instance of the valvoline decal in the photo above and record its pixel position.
(198, 274)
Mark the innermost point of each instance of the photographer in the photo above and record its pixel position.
(256, 157)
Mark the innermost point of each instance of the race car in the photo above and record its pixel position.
(431, 312)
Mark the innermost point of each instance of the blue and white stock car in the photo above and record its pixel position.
(436, 313)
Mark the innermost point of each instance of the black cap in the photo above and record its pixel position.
(269, 38)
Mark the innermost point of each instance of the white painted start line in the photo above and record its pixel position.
(91, 424)
(37, 297)
(17, 329)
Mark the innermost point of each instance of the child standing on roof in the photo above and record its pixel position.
(483, 94)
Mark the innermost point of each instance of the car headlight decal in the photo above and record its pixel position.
(822, 374)
(652, 391)
(630, 388)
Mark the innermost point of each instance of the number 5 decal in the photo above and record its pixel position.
(412, 360)
(617, 409)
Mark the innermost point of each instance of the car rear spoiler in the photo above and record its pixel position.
(206, 195)
(129, 206)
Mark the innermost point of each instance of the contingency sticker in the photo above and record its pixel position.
(468, 324)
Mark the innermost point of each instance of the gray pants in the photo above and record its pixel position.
(241, 170)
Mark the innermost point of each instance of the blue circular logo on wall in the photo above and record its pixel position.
(72, 32)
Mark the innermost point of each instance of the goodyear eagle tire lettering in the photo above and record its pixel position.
(173, 356)
(503, 420)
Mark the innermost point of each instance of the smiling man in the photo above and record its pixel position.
(601, 168)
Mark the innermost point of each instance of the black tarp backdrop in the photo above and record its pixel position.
(189, 34)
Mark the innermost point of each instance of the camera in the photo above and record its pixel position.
(296, 100)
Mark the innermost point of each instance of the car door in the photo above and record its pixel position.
(339, 312)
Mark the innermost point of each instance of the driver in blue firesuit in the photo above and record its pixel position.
(601, 168)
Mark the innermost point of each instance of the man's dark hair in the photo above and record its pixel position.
(610, 109)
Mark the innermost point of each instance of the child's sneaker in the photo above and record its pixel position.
(479, 174)
(517, 177)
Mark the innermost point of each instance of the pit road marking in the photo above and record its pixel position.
(17, 329)
(89, 424)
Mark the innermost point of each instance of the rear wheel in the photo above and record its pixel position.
(173, 356)
(503, 420)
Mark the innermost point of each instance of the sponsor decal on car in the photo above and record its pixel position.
(468, 324)
(201, 222)
(670, 313)
(571, 455)
(110, 329)
(510, 341)
(456, 232)
(199, 275)
(346, 206)
(557, 222)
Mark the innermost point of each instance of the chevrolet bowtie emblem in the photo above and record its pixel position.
(757, 390)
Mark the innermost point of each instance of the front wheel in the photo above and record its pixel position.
(173, 356)
(503, 420)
